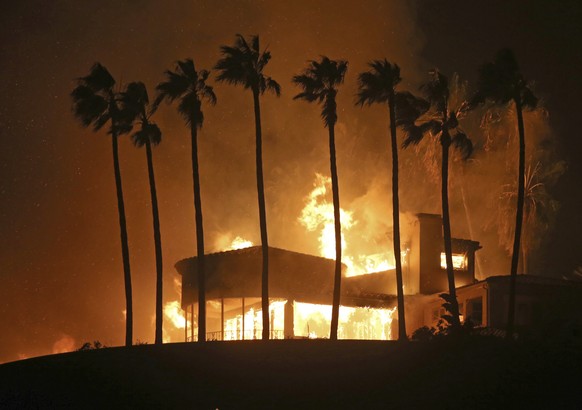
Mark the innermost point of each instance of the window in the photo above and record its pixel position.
(475, 310)
(459, 261)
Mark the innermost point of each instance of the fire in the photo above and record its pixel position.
(239, 243)
(459, 261)
(229, 242)
(173, 312)
(174, 318)
(253, 323)
(317, 215)
(314, 321)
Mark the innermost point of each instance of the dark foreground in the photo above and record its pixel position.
(466, 374)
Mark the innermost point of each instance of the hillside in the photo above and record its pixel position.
(480, 373)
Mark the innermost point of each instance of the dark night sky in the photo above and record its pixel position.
(60, 261)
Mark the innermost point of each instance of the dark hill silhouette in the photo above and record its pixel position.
(465, 373)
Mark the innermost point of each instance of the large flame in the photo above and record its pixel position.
(314, 321)
(317, 215)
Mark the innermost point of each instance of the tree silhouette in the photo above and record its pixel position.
(135, 103)
(319, 82)
(440, 122)
(378, 86)
(243, 64)
(96, 103)
(189, 86)
(501, 82)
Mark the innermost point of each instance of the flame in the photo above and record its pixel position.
(173, 312)
(239, 243)
(459, 261)
(174, 317)
(253, 323)
(314, 321)
(228, 242)
(317, 215)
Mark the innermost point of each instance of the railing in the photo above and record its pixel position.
(238, 335)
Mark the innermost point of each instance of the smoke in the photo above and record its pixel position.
(65, 344)
(58, 180)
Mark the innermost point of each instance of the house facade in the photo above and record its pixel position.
(301, 286)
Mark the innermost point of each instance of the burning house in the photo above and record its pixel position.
(300, 290)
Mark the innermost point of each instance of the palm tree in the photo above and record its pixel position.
(95, 103)
(135, 102)
(189, 86)
(243, 64)
(378, 86)
(501, 82)
(441, 123)
(319, 82)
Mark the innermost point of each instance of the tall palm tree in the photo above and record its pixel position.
(135, 103)
(501, 82)
(319, 82)
(441, 123)
(243, 64)
(378, 85)
(96, 103)
(189, 86)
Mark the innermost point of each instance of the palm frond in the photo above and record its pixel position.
(461, 142)
(409, 107)
(319, 81)
(268, 84)
(99, 79)
(188, 70)
(174, 86)
(148, 132)
(88, 107)
(377, 84)
(189, 86)
(436, 91)
(243, 64)
(412, 135)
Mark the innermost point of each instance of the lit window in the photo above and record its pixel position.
(459, 261)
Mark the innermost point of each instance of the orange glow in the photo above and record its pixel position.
(314, 321)
(253, 323)
(317, 216)
(174, 319)
(459, 261)
(239, 243)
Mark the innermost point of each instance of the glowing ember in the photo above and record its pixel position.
(317, 215)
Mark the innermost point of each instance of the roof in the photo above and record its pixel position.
(292, 275)
(237, 273)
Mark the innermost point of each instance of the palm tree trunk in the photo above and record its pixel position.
(338, 237)
(262, 217)
(158, 246)
(396, 222)
(124, 244)
(199, 239)
(518, 220)
(446, 143)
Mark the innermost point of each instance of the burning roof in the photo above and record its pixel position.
(292, 275)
